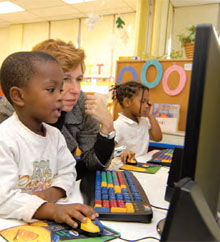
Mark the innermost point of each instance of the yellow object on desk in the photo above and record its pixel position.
(131, 161)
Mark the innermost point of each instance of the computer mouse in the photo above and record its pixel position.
(131, 161)
(91, 228)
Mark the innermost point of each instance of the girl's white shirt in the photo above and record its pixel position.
(133, 135)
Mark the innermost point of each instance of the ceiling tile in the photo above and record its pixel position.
(54, 11)
(20, 17)
(32, 4)
(45, 10)
(64, 17)
(4, 24)
(48, 10)
(183, 3)
(131, 3)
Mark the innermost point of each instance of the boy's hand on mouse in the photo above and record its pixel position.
(127, 155)
(66, 213)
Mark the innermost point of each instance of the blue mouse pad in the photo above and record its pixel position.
(49, 231)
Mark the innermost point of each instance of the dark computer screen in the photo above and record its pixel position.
(189, 217)
(200, 159)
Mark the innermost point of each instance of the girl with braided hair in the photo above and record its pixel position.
(136, 124)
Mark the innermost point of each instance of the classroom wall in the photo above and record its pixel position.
(65, 29)
(4, 43)
(185, 16)
(103, 38)
(159, 28)
(40, 30)
(102, 45)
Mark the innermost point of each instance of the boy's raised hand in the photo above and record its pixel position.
(65, 213)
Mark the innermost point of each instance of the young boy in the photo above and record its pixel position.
(37, 169)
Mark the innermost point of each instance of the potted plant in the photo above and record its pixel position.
(187, 40)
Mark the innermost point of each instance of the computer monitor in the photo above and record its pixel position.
(201, 155)
(189, 217)
(201, 158)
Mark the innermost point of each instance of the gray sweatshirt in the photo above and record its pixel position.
(6, 109)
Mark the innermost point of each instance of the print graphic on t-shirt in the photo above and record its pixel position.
(40, 179)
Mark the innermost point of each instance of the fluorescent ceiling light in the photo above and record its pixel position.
(8, 7)
(77, 1)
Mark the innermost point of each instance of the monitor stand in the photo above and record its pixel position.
(160, 226)
(189, 218)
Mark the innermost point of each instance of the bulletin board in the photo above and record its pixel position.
(174, 70)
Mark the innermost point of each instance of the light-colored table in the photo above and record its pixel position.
(154, 186)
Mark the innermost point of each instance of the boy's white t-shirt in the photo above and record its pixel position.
(133, 135)
(29, 163)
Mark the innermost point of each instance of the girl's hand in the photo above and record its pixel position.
(151, 109)
(127, 155)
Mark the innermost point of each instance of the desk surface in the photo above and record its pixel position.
(154, 186)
